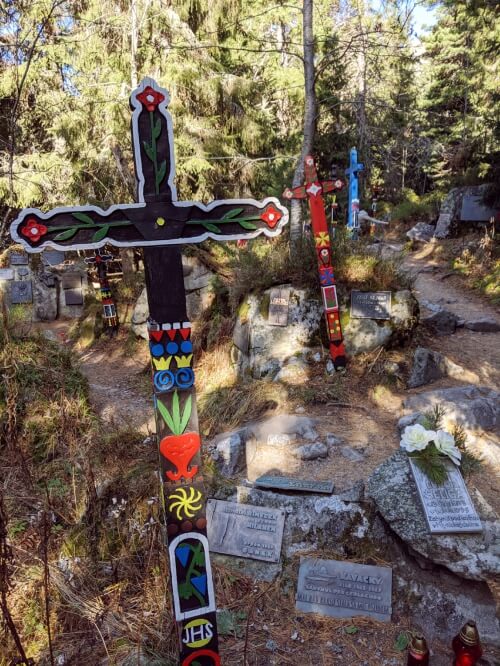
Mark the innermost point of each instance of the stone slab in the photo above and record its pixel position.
(344, 589)
(371, 305)
(289, 483)
(21, 292)
(448, 508)
(18, 259)
(474, 210)
(244, 530)
(279, 300)
(52, 257)
(6, 273)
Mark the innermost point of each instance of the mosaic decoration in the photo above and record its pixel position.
(161, 224)
(313, 190)
(353, 208)
(109, 315)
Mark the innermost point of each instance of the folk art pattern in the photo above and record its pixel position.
(313, 190)
(160, 224)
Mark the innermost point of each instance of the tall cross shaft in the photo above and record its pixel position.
(353, 206)
(161, 224)
(312, 191)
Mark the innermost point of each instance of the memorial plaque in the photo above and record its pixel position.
(6, 273)
(344, 589)
(53, 257)
(245, 530)
(288, 483)
(448, 508)
(21, 292)
(18, 259)
(474, 210)
(278, 307)
(72, 286)
(371, 304)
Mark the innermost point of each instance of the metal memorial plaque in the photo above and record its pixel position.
(278, 307)
(448, 508)
(344, 589)
(21, 292)
(6, 273)
(371, 304)
(289, 483)
(474, 210)
(18, 259)
(72, 286)
(245, 530)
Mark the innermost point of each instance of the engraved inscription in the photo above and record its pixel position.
(245, 530)
(288, 483)
(371, 305)
(448, 508)
(344, 589)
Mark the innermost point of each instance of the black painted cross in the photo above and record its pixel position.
(157, 220)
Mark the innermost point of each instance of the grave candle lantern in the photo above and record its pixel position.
(467, 646)
(418, 653)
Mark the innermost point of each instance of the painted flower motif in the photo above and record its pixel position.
(150, 98)
(416, 438)
(445, 444)
(34, 230)
(271, 215)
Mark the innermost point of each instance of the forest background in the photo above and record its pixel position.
(423, 112)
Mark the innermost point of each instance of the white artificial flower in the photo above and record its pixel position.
(445, 443)
(416, 438)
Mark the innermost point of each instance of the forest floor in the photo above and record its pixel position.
(364, 414)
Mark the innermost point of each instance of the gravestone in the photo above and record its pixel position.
(245, 530)
(21, 292)
(448, 508)
(344, 589)
(278, 307)
(289, 483)
(371, 304)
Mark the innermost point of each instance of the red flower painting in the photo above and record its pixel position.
(271, 216)
(34, 230)
(150, 98)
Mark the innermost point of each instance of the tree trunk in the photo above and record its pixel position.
(309, 118)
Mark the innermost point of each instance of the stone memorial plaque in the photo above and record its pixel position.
(278, 307)
(371, 304)
(21, 292)
(344, 589)
(6, 273)
(18, 259)
(72, 286)
(288, 483)
(245, 530)
(448, 508)
(474, 210)
(52, 257)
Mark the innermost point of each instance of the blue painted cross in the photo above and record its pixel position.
(353, 209)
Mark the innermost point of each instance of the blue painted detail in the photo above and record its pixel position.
(186, 347)
(200, 583)
(184, 378)
(182, 553)
(326, 277)
(353, 209)
(157, 349)
(163, 380)
(172, 348)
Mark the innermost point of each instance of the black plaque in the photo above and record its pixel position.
(21, 292)
(371, 304)
(474, 210)
(289, 483)
(72, 287)
(344, 589)
(278, 307)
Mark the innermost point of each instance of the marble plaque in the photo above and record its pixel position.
(288, 483)
(20, 292)
(344, 589)
(245, 530)
(6, 273)
(18, 259)
(447, 508)
(371, 304)
(279, 300)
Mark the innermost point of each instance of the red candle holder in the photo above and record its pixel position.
(418, 653)
(467, 646)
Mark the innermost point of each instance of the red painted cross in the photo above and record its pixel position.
(313, 190)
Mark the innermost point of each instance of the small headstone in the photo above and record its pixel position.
(448, 508)
(6, 273)
(278, 307)
(21, 292)
(288, 483)
(245, 530)
(18, 259)
(344, 589)
(371, 305)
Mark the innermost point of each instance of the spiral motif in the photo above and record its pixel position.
(184, 378)
(164, 380)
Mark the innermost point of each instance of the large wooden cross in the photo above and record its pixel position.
(312, 190)
(161, 224)
(353, 206)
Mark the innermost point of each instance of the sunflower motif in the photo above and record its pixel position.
(185, 504)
